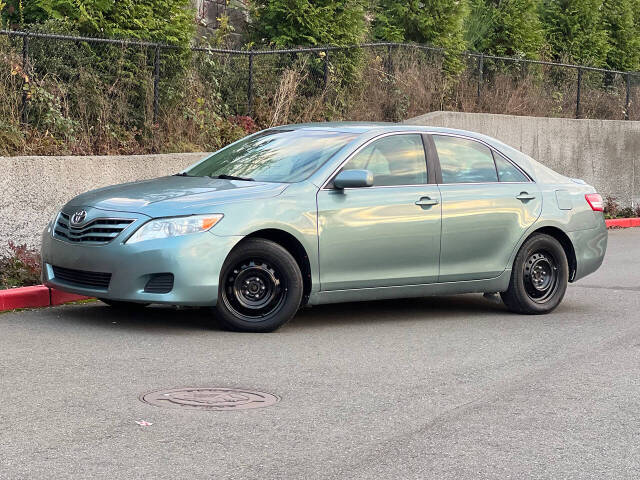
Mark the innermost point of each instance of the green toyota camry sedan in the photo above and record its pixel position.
(339, 212)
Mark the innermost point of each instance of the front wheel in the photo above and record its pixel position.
(539, 277)
(260, 287)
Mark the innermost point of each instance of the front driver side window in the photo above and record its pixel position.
(393, 160)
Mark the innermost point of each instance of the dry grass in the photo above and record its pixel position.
(95, 115)
(286, 94)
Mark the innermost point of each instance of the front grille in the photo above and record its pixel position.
(100, 230)
(159, 283)
(82, 278)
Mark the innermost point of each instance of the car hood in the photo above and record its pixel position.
(175, 195)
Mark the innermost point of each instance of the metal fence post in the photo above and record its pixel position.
(326, 68)
(627, 102)
(156, 83)
(389, 61)
(250, 86)
(25, 85)
(480, 74)
(524, 67)
(578, 107)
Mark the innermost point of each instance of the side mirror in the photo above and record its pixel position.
(353, 179)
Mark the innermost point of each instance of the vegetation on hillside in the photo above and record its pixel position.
(432, 22)
(84, 97)
(505, 27)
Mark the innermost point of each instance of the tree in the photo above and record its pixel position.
(505, 27)
(435, 22)
(292, 23)
(623, 34)
(575, 31)
(157, 20)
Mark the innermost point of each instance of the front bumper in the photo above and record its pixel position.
(194, 260)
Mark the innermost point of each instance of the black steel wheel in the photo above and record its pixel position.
(254, 288)
(539, 276)
(260, 287)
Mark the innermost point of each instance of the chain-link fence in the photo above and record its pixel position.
(105, 94)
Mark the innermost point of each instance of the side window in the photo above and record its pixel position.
(507, 172)
(464, 161)
(393, 160)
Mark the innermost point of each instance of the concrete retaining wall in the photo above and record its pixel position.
(604, 153)
(32, 189)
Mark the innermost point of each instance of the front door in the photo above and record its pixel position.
(487, 205)
(387, 234)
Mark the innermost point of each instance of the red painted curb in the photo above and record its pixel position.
(623, 222)
(58, 297)
(24, 297)
(35, 297)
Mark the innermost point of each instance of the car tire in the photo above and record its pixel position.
(260, 288)
(539, 277)
(124, 305)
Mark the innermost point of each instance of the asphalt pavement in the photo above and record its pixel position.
(442, 387)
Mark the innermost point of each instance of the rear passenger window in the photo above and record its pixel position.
(464, 161)
(507, 172)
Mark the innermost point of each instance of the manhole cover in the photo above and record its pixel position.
(208, 398)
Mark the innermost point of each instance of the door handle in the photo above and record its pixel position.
(525, 197)
(427, 202)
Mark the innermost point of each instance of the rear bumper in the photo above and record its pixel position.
(590, 247)
(194, 260)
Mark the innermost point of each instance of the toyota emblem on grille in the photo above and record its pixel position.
(78, 217)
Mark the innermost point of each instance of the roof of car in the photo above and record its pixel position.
(364, 127)
(353, 127)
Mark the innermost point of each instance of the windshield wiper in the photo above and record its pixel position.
(182, 174)
(232, 177)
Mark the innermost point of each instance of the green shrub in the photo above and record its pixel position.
(168, 21)
(435, 22)
(575, 31)
(505, 28)
(619, 21)
(293, 23)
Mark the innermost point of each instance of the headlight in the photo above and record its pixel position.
(174, 227)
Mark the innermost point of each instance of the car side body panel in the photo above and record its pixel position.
(497, 284)
(378, 237)
(294, 212)
(585, 228)
(480, 223)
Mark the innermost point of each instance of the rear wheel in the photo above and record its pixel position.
(260, 287)
(539, 277)
(123, 305)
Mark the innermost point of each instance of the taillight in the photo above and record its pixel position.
(595, 201)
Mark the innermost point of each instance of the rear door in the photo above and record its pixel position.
(487, 205)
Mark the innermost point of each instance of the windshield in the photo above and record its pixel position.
(274, 155)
